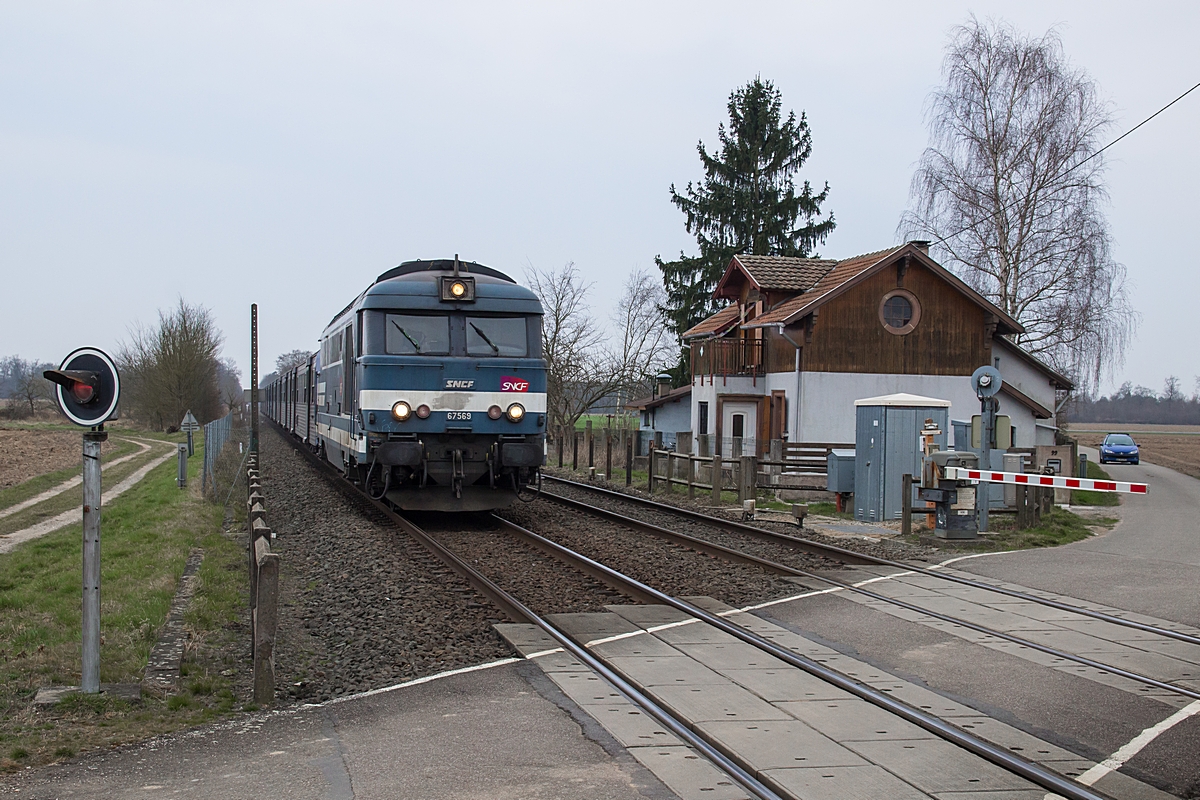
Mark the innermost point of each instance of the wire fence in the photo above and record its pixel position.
(226, 445)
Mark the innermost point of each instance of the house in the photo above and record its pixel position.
(664, 413)
(803, 338)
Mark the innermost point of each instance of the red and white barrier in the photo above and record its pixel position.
(1056, 481)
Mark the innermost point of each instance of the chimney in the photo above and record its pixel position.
(664, 384)
(921, 244)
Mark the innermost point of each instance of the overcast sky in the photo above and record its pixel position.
(287, 154)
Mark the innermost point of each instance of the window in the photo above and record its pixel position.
(899, 311)
(702, 418)
(739, 425)
(497, 336)
(412, 335)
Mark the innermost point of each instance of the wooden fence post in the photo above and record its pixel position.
(906, 484)
(691, 477)
(608, 456)
(574, 450)
(591, 442)
(560, 446)
(650, 480)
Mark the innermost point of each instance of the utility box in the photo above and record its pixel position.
(887, 445)
(839, 469)
(1013, 462)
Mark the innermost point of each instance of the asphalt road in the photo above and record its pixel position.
(1149, 563)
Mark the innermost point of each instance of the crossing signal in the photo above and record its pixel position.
(88, 387)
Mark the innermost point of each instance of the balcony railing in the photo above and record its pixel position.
(728, 357)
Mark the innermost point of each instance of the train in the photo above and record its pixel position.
(428, 389)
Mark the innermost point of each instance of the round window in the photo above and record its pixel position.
(899, 312)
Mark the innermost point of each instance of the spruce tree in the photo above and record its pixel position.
(746, 203)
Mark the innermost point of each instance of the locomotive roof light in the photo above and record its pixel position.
(458, 287)
(516, 412)
(88, 387)
(495, 412)
(423, 411)
(402, 411)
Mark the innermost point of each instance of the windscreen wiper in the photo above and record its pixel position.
(411, 340)
(483, 336)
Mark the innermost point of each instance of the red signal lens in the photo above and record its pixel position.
(82, 392)
(423, 411)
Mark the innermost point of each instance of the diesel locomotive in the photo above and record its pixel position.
(428, 390)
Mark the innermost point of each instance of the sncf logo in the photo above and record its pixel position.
(459, 384)
(510, 383)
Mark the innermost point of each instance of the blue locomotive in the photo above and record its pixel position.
(429, 389)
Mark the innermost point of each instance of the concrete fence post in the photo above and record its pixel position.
(747, 478)
(266, 620)
(716, 480)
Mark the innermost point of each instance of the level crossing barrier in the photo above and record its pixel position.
(1055, 481)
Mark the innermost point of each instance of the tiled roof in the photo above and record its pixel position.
(643, 403)
(845, 271)
(717, 324)
(784, 272)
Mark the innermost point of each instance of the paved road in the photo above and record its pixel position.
(483, 734)
(1149, 563)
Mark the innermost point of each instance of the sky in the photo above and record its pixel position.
(286, 154)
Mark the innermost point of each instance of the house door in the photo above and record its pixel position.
(778, 414)
(739, 425)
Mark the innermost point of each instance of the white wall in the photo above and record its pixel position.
(827, 402)
(1019, 373)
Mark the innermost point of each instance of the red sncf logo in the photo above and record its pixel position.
(510, 383)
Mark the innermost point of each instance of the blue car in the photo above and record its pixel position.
(1118, 448)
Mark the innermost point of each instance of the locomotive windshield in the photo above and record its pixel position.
(497, 336)
(410, 334)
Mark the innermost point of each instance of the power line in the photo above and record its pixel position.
(1071, 169)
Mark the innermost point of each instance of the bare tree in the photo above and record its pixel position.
(644, 345)
(1011, 190)
(291, 359)
(21, 380)
(579, 372)
(172, 368)
(229, 383)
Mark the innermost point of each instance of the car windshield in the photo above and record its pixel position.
(1119, 440)
(497, 336)
(410, 334)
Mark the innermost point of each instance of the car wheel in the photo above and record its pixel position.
(1136, 461)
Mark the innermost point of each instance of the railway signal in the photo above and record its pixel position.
(88, 390)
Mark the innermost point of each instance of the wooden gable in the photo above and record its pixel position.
(952, 336)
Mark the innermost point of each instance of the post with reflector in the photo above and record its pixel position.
(88, 390)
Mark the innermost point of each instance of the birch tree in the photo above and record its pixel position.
(1011, 191)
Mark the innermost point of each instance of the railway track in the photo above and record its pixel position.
(839, 554)
(731, 763)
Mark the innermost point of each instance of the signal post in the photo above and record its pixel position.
(88, 390)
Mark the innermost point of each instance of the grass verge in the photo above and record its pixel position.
(147, 535)
(1057, 528)
(1084, 497)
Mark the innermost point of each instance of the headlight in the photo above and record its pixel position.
(423, 411)
(495, 412)
(402, 411)
(458, 288)
(516, 412)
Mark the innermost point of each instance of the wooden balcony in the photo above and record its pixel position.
(747, 357)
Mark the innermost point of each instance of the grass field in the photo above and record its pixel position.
(147, 535)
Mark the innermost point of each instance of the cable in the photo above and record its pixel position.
(1071, 169)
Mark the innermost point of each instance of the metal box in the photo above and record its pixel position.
(839, 470)
(887, 445)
